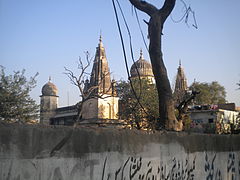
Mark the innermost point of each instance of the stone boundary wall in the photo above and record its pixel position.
(97, 153)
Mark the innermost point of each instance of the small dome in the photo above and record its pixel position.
(49, 89)
(144, 67)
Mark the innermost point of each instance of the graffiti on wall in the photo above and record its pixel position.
(135, 168)
(214, 173)
(213, 167)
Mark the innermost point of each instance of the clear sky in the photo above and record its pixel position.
(46, 35)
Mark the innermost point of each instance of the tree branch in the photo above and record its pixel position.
(182, 107)
(72, 78)
(167, 8)
(144, 6)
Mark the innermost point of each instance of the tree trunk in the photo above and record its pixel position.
(166, 105)
(157, 18)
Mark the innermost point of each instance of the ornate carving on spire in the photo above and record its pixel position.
(100, 75)
(180, 84)
(181, 81)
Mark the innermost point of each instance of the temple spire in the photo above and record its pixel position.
(100, 75)
(180, 84)
(181, 81)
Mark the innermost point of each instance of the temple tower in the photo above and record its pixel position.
(180, 85)
(104, 103)
(49, 102)
(100, 75)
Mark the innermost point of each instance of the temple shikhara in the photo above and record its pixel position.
(181, 87)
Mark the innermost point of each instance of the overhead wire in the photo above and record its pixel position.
(124, 51)
(131, 50)
(185, 16)
(140, 28)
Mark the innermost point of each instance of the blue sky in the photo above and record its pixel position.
(44, 36)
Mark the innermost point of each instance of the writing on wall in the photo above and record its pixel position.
(135, 168)
(204, 166)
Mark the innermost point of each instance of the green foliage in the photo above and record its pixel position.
(140, 117)
(210, 93)
(16, 105)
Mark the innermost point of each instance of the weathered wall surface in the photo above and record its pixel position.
(56, 153)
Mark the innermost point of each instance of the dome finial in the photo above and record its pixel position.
(141, 54)
(49, 79)
(180, 63)
(100, 38)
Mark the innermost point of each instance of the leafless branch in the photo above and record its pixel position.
(79, 80)
(71, 76)
(144, 6)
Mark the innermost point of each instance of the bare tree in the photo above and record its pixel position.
(167, 118)
(81, 82)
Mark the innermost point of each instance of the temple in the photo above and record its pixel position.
(180, 85)
(102, 103)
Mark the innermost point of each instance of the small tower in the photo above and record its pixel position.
(104, 103)
(49, 102)
(180, 84)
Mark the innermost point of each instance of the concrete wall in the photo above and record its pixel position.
(57, 153)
